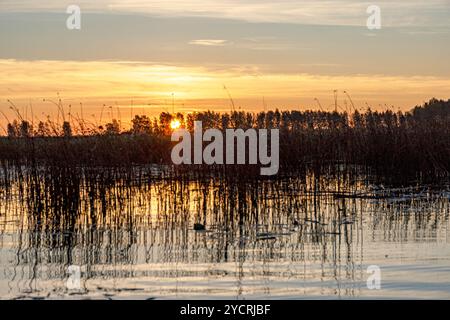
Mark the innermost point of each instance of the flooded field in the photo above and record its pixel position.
(114, 235)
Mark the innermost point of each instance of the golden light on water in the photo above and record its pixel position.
(175, 124)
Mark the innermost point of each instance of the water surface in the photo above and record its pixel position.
(288, 238)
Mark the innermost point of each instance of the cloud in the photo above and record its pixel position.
(105, 81)
(318, 12)
(209, 42)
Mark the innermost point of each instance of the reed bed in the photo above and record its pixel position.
(112, 222)
(105, 197)
(392, 147)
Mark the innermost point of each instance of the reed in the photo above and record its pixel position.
(392, 147)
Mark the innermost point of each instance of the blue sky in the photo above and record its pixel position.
(227, 43)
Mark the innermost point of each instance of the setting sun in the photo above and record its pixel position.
(175, 124)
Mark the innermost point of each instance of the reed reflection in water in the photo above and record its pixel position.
(132, 233)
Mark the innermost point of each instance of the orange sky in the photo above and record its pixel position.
(150, 87)
(174, 55)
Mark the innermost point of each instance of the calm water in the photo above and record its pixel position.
(288, 238)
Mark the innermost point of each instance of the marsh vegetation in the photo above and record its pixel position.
(353, 190)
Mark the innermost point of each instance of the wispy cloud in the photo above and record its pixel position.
(323, 12)
(209, 42)
(105, 81)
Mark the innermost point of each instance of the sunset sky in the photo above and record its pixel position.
(153, 54)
